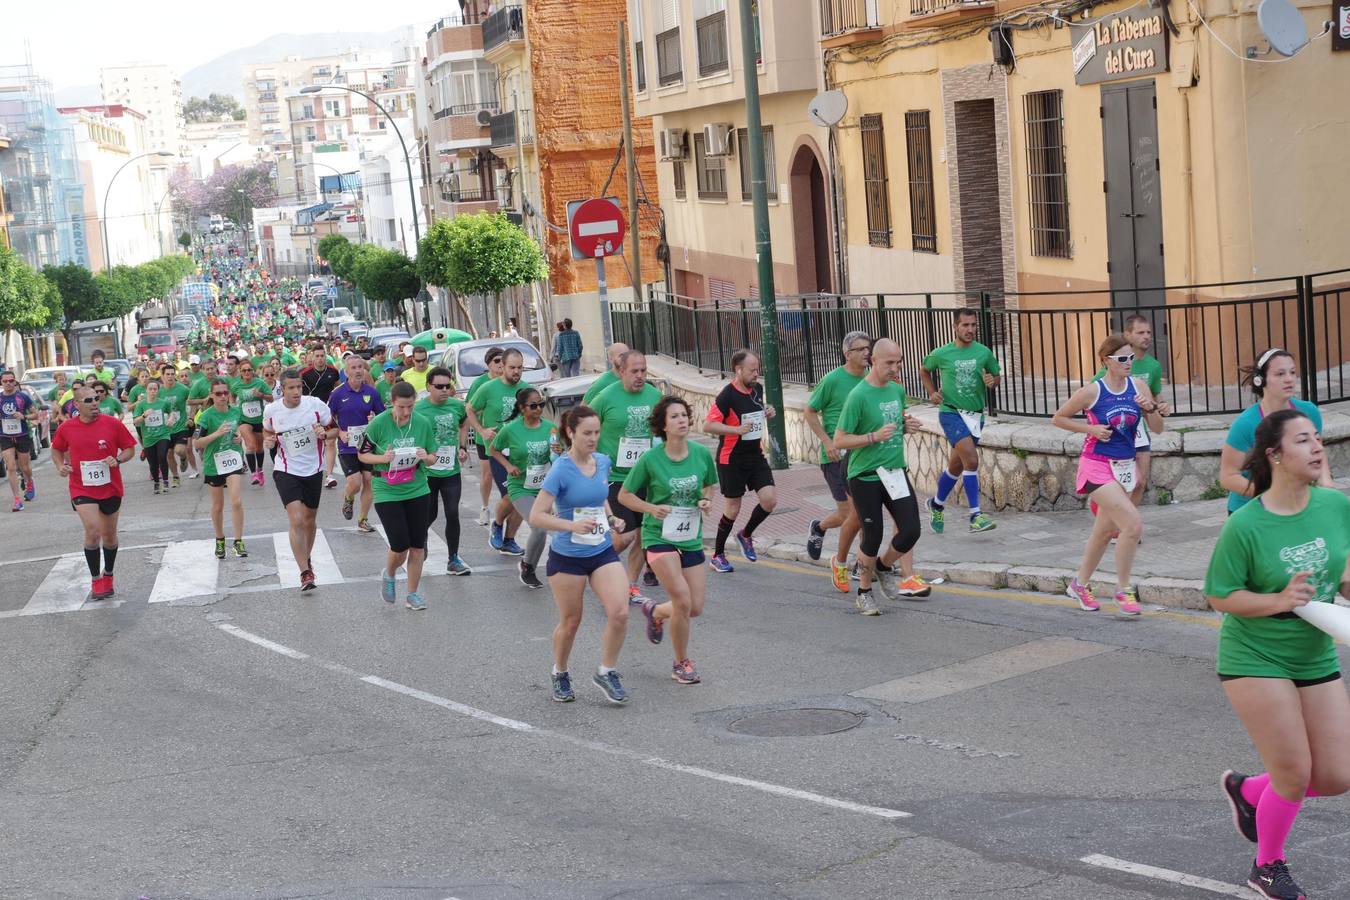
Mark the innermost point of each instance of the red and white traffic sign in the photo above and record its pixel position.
(597, 227)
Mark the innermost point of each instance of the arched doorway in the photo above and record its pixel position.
(810, 222)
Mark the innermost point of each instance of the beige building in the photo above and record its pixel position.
(690, 78)
(267, 87)
(156, 91)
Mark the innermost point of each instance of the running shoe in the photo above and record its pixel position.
(1127, 603)
(193, 474)
(1244, 813)
(239, 549)
(1273, 880)
(1083, 594)
(635, 595)
(414, 601)
(483, 520)
(18, 505)
(884, 584)
(388, 587)
(156, 487)
(177, 482)
(220, 548)
(509, 547)
(262, 478)
(108, 584)
(348, 506)
(495, 539)
(815, 540)
(937, 516)
(867, 606)
(30, 490)
(881, 569)
(307, 580)
(655, 628)
(609, 683)
(747, 546)
(912, 587)
(649, 578)
(839, 574)
(527, 576)
(980, 522)
(684, 672)
(101, 588)
(329, 482)
(365, 526)
(255, 479)
(457, 566)
(562, 687)
(720, 564)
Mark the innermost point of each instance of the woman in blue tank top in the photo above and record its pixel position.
(1112, 406)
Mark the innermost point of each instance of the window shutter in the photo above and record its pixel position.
(705, 8)
(670, 14)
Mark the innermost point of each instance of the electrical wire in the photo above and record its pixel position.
(1242, 57)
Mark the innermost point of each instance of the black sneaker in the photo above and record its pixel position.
(1244, 813)
(527, 576)
(815, 541)
(609, 683)
(1273, 880)
(220, 548)
(649, 578)
(562, 688)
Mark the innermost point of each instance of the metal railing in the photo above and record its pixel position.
(841, 16)
(929, 7)
(503, 128)
(506, 24)
(470, 17)
(469, 195)
(1045, 342)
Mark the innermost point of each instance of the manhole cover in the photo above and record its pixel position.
(796, 722)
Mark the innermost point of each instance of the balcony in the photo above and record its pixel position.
(473, 194)
(470, 17)
(931, 13)
(466, 109)
(847, 23)
(267, 96)
(504, 28)
(503, 129)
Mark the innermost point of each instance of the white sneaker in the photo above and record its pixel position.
(193, 474)
(483, 516)
(331, 482)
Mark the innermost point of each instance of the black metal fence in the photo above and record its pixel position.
(1045, 342)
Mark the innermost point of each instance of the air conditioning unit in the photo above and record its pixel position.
(484, 118)
(674, 143)
(717, 139)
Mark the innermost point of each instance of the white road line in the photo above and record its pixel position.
(1195, 881)
(188, 569)
(65, 588)
(598, 746)
(288, 571)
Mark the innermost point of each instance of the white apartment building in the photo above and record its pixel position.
(267, 87)
(387, 203)
(156, 91)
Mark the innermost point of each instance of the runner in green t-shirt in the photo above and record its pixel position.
(493, 362)
(450, 419)
(822, 415)
(107, 404)
(492, 403)
(524, 447)
(151, 415)
(1139, 332)
(872, 427)
(251, 394)
(180, 459)
(968, 370)
(399, 446)
(676, 479)
(219, 441)
(388, 378)
(607, 377)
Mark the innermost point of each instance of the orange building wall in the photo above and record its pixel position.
(578, 127)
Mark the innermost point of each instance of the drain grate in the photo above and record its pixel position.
(795, 722)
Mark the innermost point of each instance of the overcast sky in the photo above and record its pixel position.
(70, 40)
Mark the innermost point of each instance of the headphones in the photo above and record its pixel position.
(1259, 380)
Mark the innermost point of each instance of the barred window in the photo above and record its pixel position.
(711, 172)
(922, 211)
(770, 171)
(1047, 174)
(875, 185)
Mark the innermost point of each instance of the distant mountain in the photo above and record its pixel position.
(78, 95)
(221, 75)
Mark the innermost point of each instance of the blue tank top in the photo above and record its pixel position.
(1118, 411)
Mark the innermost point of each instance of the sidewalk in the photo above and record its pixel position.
(1027, 551)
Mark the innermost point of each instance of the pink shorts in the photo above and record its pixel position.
(1095, 471)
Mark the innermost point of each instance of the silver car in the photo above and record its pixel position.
(465, 361)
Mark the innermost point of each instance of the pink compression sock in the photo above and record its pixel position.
(1274, 818)
(1255, 786)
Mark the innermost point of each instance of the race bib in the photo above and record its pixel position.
(252, 409)
(11, 426)
(446, 457)
(1141, 440)
(599, 525)
(228, 461)
(684, 523)
(154, 418)
(1125, 473)
(756, 422)
(354, 435)
(631, 450)
(974, 422)
(95, 473)
(534, 476)
(405, 458)
(895, 483)
(298, 440)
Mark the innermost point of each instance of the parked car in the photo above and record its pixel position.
(38, 388)
(336, 316)
(465, 361)
(48, 373)
(345, 328)
(564, 393)
(121, 373)
(378, 334)
(157, 342)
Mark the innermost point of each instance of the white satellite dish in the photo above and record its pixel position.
(827, 109)
(1283, 26)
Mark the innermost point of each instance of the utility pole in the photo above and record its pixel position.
(630, 163)
(768, 307)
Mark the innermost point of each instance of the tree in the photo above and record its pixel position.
(185, 240)
(220, 193)
(215, 108)
(78, 291)
(479, 254)
(386, 276)
(330, 244)
(25, 296)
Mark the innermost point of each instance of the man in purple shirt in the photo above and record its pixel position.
(354, 404)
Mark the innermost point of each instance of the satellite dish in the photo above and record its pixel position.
(1283, 26)
(827, 108)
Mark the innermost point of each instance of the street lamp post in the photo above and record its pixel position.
(412, 194)
(103, 223)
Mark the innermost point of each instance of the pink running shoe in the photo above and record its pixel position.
(1083, 594)
(1128, 603)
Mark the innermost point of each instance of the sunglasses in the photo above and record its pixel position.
(441, 387)
(88, 399)
(1123, 358)
(220, 393)
(534, 406)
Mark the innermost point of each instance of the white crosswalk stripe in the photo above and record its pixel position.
(288, 571)
(65, 588)
(438, 553)
(188, 569)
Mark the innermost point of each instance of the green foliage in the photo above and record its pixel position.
(479, 254)
(215, 108)
(1020, 453)
(1215, 491)
(1164, 496)
(77, 289)
(386, 275)
(185, 240)
(27, 300)
(331, 245)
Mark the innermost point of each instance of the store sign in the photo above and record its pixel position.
(1122, 45)
(1340, 29)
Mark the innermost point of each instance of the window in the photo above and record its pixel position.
(711, 32)
(635, 25)
(711, 172)
(640, 66)
(874, 181)
(307, 112)
(678, 167)
(393, 229)
(668, 69)
(919, 150)
(332, 108)
(770, 170)
(310, 134)
(1047, 177)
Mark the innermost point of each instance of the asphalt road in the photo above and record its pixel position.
(253, 742)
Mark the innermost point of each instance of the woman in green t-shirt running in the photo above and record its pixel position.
(219, 440)
(1279, 556)
(151, 415)
(524, 447)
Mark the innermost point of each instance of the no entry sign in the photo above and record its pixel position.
(597, 228)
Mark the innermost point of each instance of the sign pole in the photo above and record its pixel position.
(768, 308)
(606, 329)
